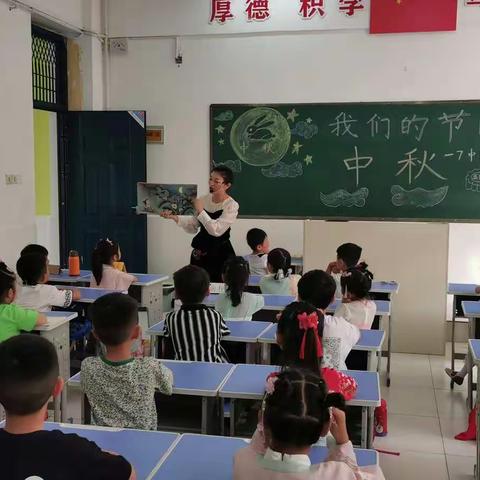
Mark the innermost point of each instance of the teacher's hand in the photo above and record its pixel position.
(168, 214)
(198, 204)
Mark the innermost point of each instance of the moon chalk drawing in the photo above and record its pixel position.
(260, 136)
(417, 197)
(283, 170)
(472, 180)
(342, 198)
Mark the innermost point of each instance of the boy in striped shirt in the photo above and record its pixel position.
(195, 330)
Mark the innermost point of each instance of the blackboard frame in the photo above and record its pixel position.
(439, 220)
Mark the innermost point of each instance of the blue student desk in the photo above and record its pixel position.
(199, 379)
(272, 302)
(243, 331)
(143, 449)
(89, 295)
(148, 289)
(57, 331)
(377, 287)
(370, 341)
(211, 457)
(64, 278)
(459, 290)
(248, 382)
(471, 310)
(279, 302)
(474, 352)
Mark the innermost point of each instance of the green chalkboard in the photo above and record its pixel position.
(352, 160)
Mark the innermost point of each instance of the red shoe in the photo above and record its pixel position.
(471, 432)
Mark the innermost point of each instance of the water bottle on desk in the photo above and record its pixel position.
(73, 263)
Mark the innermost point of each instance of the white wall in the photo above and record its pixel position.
(402, 252)
(17, 202)
(17, 212)
(333, 66)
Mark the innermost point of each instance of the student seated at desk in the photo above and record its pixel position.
(348, 256)
(29, 376)
(235, 303)
(195, 330)
(280, 281)
(296, 412)
(35, 293)
(356, 306)
(339, 336)
(14, 319)
(104, 274)
(299, 335)
(119, 387)
(259, 243)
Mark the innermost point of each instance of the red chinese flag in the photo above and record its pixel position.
(397, 16)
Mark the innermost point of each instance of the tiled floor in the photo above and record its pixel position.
(424, 415)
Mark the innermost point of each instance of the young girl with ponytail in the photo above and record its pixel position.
(280, 280)
(235, 303)
(296, 412)
(104, 274)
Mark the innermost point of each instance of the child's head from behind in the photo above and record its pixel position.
(29, 374)
(105, 253)
(115, 319)
(348, 255)
(191, 284)
(317, 287)
(34, 248)
(8, 284)
(298, 337)
(356, 283)
(297, 412)
(32, 268)
(279, 262)
(235, 275)
(257, 240)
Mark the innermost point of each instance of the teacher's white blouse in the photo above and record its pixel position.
(216, 228)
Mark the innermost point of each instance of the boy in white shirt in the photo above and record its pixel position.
(35, 294)
(339, 336)
(258, 241)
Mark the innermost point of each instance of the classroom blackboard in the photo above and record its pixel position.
(402, 161)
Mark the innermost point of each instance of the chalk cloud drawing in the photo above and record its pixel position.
(417, 197)
(472, 180)
(305, 130)
(224, 116)
(342, 198)
(234, 165)
(283, 170)
(260, 136)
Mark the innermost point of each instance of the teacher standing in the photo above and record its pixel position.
(215, 214)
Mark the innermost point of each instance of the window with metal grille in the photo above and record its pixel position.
(49, 70)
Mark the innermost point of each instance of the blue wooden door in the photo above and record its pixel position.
(102, 156)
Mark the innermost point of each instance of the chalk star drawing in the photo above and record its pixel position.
(220, 129)
(221, 141)
(296, 147)
(308, 160)
(292, 115)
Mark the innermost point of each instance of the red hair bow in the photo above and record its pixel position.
(306, 322)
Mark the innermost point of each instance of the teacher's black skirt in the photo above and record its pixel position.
(213, 260)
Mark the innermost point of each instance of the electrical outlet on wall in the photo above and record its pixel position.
(13, 179)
